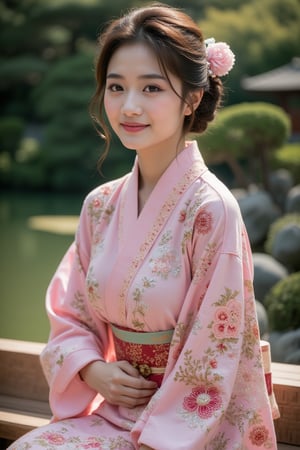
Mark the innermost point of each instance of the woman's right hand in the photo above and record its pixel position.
(119, 383)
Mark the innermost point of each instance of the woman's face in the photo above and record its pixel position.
(142, 108)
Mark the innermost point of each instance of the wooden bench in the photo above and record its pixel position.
(23, 389)
(24, 394)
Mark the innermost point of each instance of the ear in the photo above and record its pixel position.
(195, 98)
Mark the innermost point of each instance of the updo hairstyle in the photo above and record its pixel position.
(180, 49)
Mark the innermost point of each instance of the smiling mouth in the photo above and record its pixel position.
(133, 127)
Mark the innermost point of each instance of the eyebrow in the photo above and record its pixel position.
(146, 76)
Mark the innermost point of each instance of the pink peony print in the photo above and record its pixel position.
(106, 190)
(53, 438)
(204, 401)
(97, 203)
(203, 223)
(213, 363)
(92, 443)
(222, 314)
(259, 435)
(182, 215)
(227, 320)
(219, 330)
(222, 347)
(231, 331)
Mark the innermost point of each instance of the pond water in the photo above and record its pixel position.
(29, 257)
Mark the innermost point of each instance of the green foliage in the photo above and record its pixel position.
(283, 304)
(277, 226)
(22, 68)
(11, 131)
(263, 35)
(288, 157)
(248, 131)
(46, 69)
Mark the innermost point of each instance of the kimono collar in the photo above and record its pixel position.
(188, 157)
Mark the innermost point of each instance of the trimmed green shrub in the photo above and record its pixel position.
(250, 132)
(283, 304)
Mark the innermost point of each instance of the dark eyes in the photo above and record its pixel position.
(151, 88)
(148, 89)
(115, 88)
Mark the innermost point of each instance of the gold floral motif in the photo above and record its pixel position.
(200, 270)
(143, 369)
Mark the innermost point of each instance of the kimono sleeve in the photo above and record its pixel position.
(76, 338)
(214, 394)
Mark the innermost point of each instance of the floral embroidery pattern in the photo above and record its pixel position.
(227, 320)
(139, 311)
(53, 438)
(54, 359)
(167, 261)
(219, 442)
(97, 207)
(203, 400)
(78, 303)
(65, 439)
(181, 332)
(259, 435)
(50, 360)
(164, 212)
(203, 223)
(201, 269)
(93, 290)
(187, 216)
(205, 397)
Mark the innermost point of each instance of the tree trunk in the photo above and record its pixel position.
(264, 165)
(240, 176)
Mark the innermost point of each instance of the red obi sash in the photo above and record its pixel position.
(147, 351)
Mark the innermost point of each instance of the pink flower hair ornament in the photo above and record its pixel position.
(220, 58)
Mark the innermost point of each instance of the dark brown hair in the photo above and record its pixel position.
(180, 49)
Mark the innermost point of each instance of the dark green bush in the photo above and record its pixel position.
(283, 304)
(11, 132)
(288, 157)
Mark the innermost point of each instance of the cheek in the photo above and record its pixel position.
(110, 107)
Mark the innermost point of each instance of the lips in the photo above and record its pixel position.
(133, 127)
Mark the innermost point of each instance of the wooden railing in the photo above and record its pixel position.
(24, 394)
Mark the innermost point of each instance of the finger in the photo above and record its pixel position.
(140, 382)
(130, 402)
(129, 369)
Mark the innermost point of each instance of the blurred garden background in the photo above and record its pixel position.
(49, 147)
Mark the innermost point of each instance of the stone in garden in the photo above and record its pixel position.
(285, 346)
(267, 272)
(280, 183)
(292, 204)
(286, 246)
(258, 212)
(262, 317)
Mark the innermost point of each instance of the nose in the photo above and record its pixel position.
(131, 105)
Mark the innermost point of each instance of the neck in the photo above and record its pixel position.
(152, 165)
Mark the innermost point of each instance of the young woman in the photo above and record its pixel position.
(154, 340)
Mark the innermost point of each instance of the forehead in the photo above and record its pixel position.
(133, 58)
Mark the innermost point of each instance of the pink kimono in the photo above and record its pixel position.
(185, 264)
